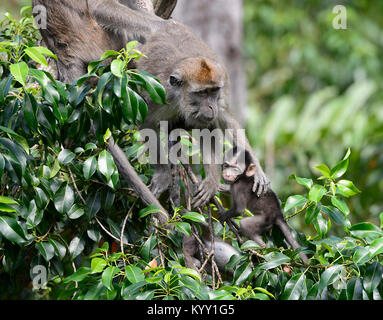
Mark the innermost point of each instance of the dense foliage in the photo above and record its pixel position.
(65, 209)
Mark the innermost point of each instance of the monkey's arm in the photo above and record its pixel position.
(238, 138)
(210, 185)
(112, 15)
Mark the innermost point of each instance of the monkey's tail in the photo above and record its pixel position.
(281, 223)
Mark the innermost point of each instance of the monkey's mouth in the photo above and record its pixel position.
(206, 119)
(229, 179)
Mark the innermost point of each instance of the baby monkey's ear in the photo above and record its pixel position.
(251, 169)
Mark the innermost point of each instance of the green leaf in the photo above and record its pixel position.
(76, 246)
(366, 230)
(89, 167)
(189, 272)
(294, 287)
(336, 215)
(303, 181)
(46, 249)
(324, 170)
(148, 210)
(107, 276)
(295, 202)
(108, 54)
(65, 157)
(372, 277)
(274, 260)
(98, 265)
(106, 164)
(134, 274)
(316, 193)
(79, 275)
(20, 72)
(116, 67)
(64, 199)
(154, 88)
(95, 291)
(184, 228)
(361, 255)
(329, 276)
(148, 247)
(37, 54)
(340, 169)
(347, 188)
(60, 249)
(376, 247)
(11, 230)
(249, 245)
(194, 216)
(75, 212)
(311, 213)
(241, 274)
(340, 204)
(41, 198)
(354, 289)
(30, 111)
(7, 200)
(93, 205)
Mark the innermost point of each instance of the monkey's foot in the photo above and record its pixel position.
(160, 182)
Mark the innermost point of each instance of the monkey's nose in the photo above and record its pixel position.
(210, 115)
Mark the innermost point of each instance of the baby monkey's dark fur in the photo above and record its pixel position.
(266, 208)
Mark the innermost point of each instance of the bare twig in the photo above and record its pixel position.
(111, 235)
(123, 230)
(74, 184)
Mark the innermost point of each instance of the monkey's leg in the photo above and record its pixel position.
(253, 227)
(161, 180)
(210, 185)
(113, 16)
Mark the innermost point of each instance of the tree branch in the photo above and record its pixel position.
(164, 8)
(130, 175)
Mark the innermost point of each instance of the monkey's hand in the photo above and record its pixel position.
(205, 191)
(261, 182)
(161, 180)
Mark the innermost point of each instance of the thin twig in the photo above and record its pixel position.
(75, 185)
(123, 230)
(159, 244)
(111, 235)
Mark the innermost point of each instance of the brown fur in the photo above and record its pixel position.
(80, 31)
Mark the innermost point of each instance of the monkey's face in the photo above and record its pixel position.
(232, 169)
(197, 84)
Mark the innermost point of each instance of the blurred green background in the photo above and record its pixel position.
(313, 92)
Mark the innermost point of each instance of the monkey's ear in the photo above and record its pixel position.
(175, 80)
(251, 169)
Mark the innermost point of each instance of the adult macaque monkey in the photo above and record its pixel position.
(197, 88)
(238, 171)
(196, 83)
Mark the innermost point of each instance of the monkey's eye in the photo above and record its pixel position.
(175, 82)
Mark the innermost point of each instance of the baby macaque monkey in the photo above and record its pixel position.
(238, 171)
